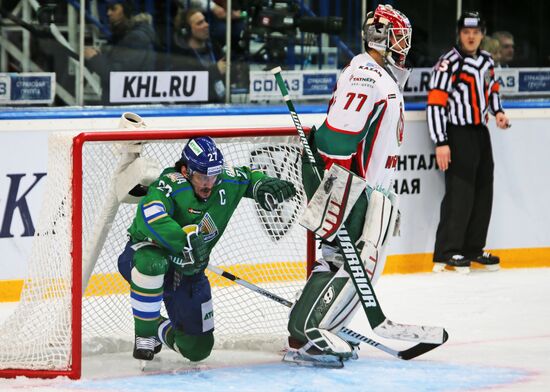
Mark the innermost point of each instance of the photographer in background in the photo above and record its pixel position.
(194, 51)
(130, 48)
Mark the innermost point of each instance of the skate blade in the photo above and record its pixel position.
(142, 364)
(462, 270)
(492, 267)
(293, 357)
(442, 267)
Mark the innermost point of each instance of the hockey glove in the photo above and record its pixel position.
(270, 192)
(196, 253)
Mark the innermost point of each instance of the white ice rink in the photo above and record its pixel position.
(498, 322)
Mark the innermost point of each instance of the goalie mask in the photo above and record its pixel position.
(204, 162)
(389, 32)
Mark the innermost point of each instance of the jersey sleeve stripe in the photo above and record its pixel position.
(376, 118)
(153, 208)
(156, 217)
(161, 240)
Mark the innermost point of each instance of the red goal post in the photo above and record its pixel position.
(266, 248)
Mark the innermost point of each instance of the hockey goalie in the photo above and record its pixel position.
(356, 148)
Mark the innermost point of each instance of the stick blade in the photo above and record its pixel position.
(421, 348)
(412, 333)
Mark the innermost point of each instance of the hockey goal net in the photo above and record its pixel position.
(82, 230)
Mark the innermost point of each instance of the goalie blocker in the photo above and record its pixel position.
(329, 300)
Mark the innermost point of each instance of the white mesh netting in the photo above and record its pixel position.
(268, 249)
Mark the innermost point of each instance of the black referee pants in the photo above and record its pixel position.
(466, 207)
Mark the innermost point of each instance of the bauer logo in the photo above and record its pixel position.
(158, 87)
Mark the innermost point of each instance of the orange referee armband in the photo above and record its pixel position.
(438, 98)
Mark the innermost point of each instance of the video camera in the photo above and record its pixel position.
(284, 16)
(274, 21)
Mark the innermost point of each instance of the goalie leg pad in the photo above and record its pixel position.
(329, 343)
(379, 226)
(327, 302)
(332, 202)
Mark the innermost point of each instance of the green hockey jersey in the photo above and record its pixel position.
(171, 204)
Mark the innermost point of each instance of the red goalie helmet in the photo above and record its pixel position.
(389, 32)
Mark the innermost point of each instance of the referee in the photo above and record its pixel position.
(463, 91)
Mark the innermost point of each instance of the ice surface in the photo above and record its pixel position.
(498, 322)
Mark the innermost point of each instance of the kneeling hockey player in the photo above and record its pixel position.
(359, 144)
(177, 224)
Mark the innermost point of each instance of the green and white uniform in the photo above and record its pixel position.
(156, 267)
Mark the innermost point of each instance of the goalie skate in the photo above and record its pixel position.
(322, 360)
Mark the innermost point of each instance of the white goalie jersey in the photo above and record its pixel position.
(365, 122)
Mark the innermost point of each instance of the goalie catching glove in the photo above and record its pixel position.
(270, 192)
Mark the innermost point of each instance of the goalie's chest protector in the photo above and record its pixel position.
(212, 215)
(368, 107)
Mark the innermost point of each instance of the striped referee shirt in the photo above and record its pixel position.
(463, 90)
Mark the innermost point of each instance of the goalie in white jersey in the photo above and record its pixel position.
(362, 133)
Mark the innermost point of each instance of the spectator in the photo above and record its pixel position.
(194, 51)
(506, 41)
(130, 48)
(463, 90)
(216, 13)
(492, 45)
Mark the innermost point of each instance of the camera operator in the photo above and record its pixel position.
(194, 51)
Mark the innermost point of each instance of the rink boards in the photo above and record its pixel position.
(518, 232)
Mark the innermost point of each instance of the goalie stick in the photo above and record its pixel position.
(381, 325)
(345, 333)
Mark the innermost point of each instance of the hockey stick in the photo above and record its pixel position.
(354, 266)
(345, 333)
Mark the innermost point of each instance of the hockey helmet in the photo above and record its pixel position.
(201, 155)
(389, 32)
(471, 19)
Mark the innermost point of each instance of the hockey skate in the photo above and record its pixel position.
(308, 355)
(487, 260)
(318, 359)
(146, 348)
(457, 262)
